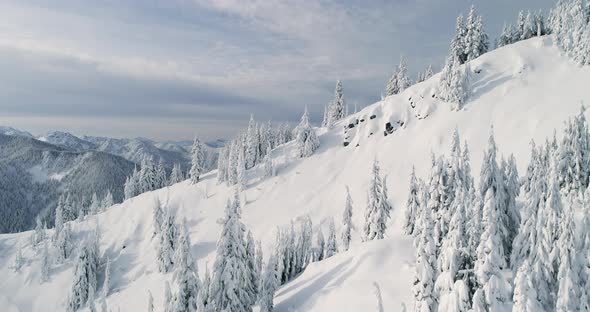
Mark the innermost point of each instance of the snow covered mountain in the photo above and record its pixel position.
(525, 90)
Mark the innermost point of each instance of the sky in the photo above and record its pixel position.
(173, 69)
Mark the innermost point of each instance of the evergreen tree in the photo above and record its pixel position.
(347, 225)
(186, 276)
(95, 204)
(424, 279)
(336, 110)
(241, 171)
(258, 268)
(269, 285)
(253, 277)
(321, 246)
(130, 189)
(59, 221)
(166, 245)
(107, 201)
(525, 296)
(84, 280)
(158, 217)
(252, 142)
(228, 291)
(18, 258)
(45, 263)
(569, 286)
(64, 243)
(378, 206)
(331, 248)
(222, 165)
(458, 47)
(412, 205)
(306, 138)
(161, 175)
(454, 83)
(197, 161)
(269, 170)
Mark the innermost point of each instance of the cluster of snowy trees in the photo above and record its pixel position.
(151, 177)
(197, 161)
(569, 22)
(399, 80)
(466, 237)
(427, 73)
(249, 148)
(527, 26)
(71, 208)
(336, 109)
(305, 137)
(469, 42)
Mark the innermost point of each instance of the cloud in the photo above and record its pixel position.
(212, 61)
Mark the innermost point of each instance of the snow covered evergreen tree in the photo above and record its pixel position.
(253, 277)
(84, 280)
(331, 248)
(306, 138)
(45, 263)
(176, 175)
(252, 140)
(425, 276)
(228, 291)
(336, 109)
(399, 80)
(476, 40)
(347, 225)
(107, 201)
(241, 171)
(525, 296)
(320, 246)
(458, 48)
(412, 205)
(64, 243)
(186, 276)
(166, 245)
(197, 161)
(569, 285)
(454, 83)
(269, 170)
(378, 206)
(269, 285)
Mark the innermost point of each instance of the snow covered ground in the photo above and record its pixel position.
(526, 90)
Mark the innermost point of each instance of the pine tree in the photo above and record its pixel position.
(269, 285)
(347, 225)
(106, 286)
(228, 290)
(412, 205)
(186, 276)
(331, 248)
(525, 296)
(268, 165)
(166, 244)
(321, 246)
(158, 217)
(90, 303)
(251, 151)
(161, 180)
(336, 110)
(378, 206)
(107, 201)
(241, 171)
(84, 280)
(18, 258)
(59, 221)
(424, 279)
(64, 243)
(130, 189)
(306, 138)
(197, 161)
(253, 277)
(568, 295)
(45, 263)
(258, 267)
(458, 48)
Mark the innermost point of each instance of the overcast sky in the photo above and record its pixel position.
(171, 69)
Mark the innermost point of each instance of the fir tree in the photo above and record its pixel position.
(84, 280)
(228, 291)
(241, 171)
(59, 221)
(268, 164)
(424, 279)
(347, 225)
(253, 277)
(269, 285)
(331, 248)
(186, 277)
(412, 205)
(64, 243)
(45, 263)
(107, 201)
(336, 109)
(306, 138)
(568, 295)
(197, 161)
(166, 244)
(378, 206)
(252, 141)
(525, 296)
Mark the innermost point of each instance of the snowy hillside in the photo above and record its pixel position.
(526, 90)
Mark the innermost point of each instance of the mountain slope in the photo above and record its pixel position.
(525, 90)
